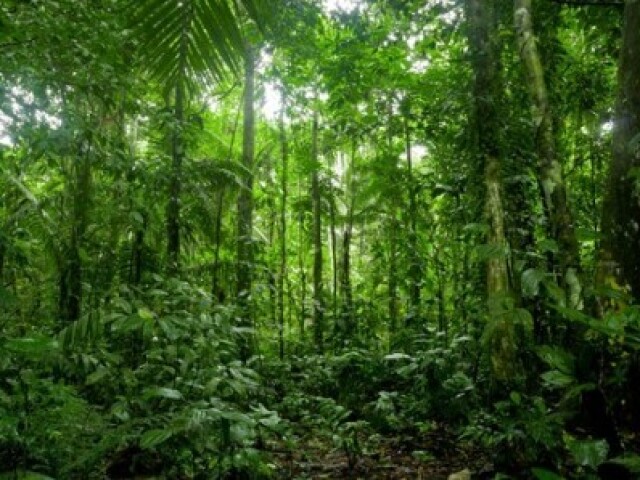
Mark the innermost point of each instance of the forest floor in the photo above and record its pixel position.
(434, 456)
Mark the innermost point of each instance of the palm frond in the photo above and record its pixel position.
(192, 41)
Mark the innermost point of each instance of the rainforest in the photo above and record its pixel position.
(319, 239)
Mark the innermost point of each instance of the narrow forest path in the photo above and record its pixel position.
(434, 456)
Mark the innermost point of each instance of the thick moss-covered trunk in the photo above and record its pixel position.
(560, 222)
(70, 281)
(619, 259)
(482, 34)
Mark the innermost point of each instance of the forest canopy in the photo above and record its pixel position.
(253, 239)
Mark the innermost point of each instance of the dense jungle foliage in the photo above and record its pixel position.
(263, 239)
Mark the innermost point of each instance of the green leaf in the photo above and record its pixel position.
(573, 315)
(631, 461)
(397, 356)
(145, 314)
(522, 316)
(575, 392)
(557, 358)
(80, 332)
(137, 217)
(129, 324)
(34, 347)
(548, 245)
(236, 417)
(587, 453)
(542, 474)
(557, 379)
(163, 392)
(185, 42)
(556, 293)
(153, 438)
(96, 376)
(531, 280)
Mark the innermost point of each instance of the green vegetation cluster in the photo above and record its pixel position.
(237, 236)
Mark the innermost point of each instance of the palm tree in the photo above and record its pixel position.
(184, 45)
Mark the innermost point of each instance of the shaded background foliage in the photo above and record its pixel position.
(148, 328)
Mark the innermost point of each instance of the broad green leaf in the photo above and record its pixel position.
(557, 358)
(236, 417)
(573, 315)
(96, 376)
(397, 356)
(631, 461)
(548, 245)
(522, 316)
(163, 392)
(129, 324)
(80, 332)
(531, 279)
(33, 347)
(153, 438)
(542, 474)
(271, 421)
(557, 379)
(574, 392)
(588, 453)
(145, 314)
(556, 293)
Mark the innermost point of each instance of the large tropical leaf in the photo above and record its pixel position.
(191, 42)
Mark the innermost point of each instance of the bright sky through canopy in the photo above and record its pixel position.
(335, 5)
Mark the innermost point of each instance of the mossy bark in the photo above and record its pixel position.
(560, 222)
(619, 262)
(483, 37)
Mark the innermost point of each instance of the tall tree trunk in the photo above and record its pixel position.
(302, 268)
(619, 260)
(316, 199)
(348, 318)
(482, 25)
(393, 276)
(71, 274)
(560, 221)
(415, 266)
(442, 310)
(137, 251)
(216, 289)
(393, 227)
(334, 251)
(284, 178)
(272, 271)
(245, 206)
(175, 182)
